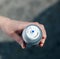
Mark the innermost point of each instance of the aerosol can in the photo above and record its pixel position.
(32, 35)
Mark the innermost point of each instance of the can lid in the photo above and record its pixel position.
(32, 32)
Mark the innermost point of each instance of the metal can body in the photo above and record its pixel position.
(32, 35)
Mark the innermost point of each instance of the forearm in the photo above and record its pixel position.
(3, 20)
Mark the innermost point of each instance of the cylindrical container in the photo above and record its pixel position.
(32, 35)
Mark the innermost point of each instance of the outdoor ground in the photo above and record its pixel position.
(51, 50)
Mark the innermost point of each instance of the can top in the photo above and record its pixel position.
(33, 32)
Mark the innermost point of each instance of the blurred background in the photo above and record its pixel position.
(46, 12)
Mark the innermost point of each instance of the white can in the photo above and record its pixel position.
(32, 35)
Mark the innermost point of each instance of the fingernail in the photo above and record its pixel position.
(42, 37)
(23, 47)
(41, 45)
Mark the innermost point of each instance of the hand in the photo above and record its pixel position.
(12, 27)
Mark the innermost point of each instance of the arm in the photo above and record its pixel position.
(3, 21)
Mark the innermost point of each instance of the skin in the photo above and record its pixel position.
(13, 27)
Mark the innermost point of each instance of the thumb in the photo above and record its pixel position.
(18, 39)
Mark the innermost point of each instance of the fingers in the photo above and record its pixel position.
(24, 24)
(18, 39)
(42, 42)
(43, 36)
